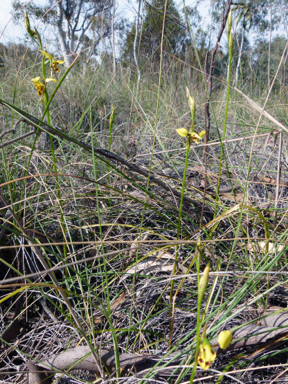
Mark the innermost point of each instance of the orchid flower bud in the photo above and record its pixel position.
(112, 116)
(224, 339)
(27, 25)
(230, 45)
(191, 103)
(203, 283)
(229, 24)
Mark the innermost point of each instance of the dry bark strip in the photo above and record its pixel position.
(81, 358)
(37, 376)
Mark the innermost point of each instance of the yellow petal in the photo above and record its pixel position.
(224, 339)
(51, 79)
(60, 61)
(202, 134)
(182, 132)
(36, 81)
(49, 57)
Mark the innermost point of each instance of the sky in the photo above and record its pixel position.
(11, 33)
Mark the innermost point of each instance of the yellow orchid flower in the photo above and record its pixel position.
(206, 354)
(54, 62)
(40, 86)
(192, 135)
(224, 339)
(196, 138)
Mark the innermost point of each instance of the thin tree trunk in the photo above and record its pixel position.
(135, 45)
(61, 36)
(73, 27)
(239, 58)
(270, 36)
(102, 36)
(113, 35)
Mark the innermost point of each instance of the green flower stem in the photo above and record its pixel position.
(111, 124)
(224, 127)
(178, 234)
(46, 111)
(47, 103)
(198, 323)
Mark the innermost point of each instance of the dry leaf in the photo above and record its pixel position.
(159, 262)
(261, 246)
(229, 196)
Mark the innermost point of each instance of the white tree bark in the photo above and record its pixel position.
(61, 36)
(239, 58)
(73, 23)
(113, 36)
(102, 35)
(135, 44)
(270, 38)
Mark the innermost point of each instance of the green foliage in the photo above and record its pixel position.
(34, 11)
(260, 60)
(151, 32)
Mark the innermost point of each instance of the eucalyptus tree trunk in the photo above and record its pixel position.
(113, 35)
(73, 20)
(239, 58)
(102, 36)
(135, 44)
(270, 37)
(61, 36)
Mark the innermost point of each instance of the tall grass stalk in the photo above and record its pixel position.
(230, 49)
